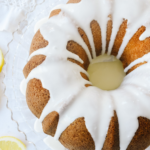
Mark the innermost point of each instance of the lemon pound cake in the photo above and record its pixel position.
(69, 54)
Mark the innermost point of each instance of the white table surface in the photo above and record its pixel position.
(7, 126)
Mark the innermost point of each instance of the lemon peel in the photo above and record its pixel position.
(11, 143)
(1, 60)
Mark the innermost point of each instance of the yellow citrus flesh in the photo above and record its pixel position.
(11, 143)
(106, 72)
(1, 60)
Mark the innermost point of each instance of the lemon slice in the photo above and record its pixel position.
(11, 143)
(1, 60)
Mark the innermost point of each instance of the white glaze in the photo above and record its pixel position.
(40, 23)
(23, 87)
(148, 148)
(38, 126)
(54, 144)
(69, 97)
(145, 58)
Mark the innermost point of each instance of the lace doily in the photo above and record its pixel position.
(13, 12)
(20, 4)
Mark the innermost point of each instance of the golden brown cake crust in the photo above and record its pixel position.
(96, 31)
(50, 123)
(36, 97)
(73, 1)
(76, 136)
(112, 138)
(85, 39)
(109, 31)
(135, 48)
(38, 42)
(33, 63)
(119, 38)
(55, 12)
(136, 66)
(77, 49)
(141, 140)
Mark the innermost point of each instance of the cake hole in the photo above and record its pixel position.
(106, 72)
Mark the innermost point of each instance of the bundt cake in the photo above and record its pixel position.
(57, 87)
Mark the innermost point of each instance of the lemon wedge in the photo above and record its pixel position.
(1, 60)
(11, 143)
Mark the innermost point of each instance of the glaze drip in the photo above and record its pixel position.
(58, 75)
